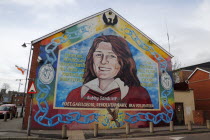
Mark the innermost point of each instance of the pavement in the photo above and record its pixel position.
(11, 130)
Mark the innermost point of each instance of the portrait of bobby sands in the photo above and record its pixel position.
(110, 76)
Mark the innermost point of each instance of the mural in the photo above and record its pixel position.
(102, 70)
(106, 75)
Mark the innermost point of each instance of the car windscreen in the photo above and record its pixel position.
(4, 108)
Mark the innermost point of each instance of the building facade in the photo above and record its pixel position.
(102, 70)
(12, 97)
(184, 104)
(17, 98)
(199, 81)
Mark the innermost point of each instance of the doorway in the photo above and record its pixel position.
(179, 114)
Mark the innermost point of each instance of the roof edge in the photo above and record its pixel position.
(144, 34)
(68, 26)
(195, 65)
(195, 71)
(82, 20)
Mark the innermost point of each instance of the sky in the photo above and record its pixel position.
(186, 21)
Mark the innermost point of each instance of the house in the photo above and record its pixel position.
(184, 104)
(5, 97)
(182, 74)
(196, 79)
(12, 97)
(199, 81)
(102, 64)
(17, 98)
(1, 99)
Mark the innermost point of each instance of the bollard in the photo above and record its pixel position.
(189, 126)
(10, 115)
(95, 130)
(16, 115)
(208, 124)
(127, 128)
(151, 128)
(5, 117)
(171, 126)
(64, 132)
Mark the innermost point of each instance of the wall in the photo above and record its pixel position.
(1, 99)
(187, 98)
(200, 82)
(18, 99)
(200, 116)
(181, 75)
(82, 80)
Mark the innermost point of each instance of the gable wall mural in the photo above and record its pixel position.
(101, 70)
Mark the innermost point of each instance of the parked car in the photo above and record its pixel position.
(7, 109)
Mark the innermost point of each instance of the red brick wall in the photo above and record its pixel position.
(200, 83)
(199, 75)
(198, 116)
(202, 104)
(18, 100)
(184, 74)
(32, 74)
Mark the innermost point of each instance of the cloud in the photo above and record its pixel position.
(202, 15)
(41, 3)
(13, 54)
(25, 20)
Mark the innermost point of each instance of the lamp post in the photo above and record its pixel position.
(29, 59)
(30, 116)
(31, 97)
(19, 83)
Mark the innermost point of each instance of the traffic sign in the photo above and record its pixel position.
(32, 89)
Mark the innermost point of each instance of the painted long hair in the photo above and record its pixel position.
(127, 73)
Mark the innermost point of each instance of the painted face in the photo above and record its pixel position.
(105, 61)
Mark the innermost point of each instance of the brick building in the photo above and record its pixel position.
(64, 56)
(198, 79)
(1, 99)
(184, 104)
(17, 98)
(12, 97)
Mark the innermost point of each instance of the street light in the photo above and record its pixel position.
(19, 83)
(29, 59)
(29, 117)
(24, 45)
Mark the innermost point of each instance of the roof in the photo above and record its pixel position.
(201, 65)
(183, 86)
(207, 70)
(97, 14)
(8, 105)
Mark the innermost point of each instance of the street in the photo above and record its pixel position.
(199, 136)
(14, 124)
(13, 128)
